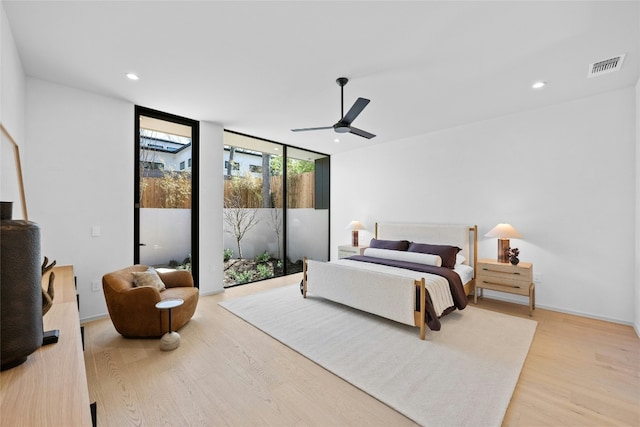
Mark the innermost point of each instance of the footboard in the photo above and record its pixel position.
(384, 295)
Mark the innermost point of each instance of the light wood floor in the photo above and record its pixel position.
(579, 372)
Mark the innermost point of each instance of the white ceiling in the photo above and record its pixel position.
(262, 68)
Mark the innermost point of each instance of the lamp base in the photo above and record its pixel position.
(503, 248)
(354, 238)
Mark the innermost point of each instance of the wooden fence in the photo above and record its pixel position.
(301, 192)
(156, 195)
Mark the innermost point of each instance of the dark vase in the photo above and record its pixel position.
(20, 291)
(514, 260)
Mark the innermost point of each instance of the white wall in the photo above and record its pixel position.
(211, 196)
(563, 176)
(637, 115)
(12, 112)
(69, 192)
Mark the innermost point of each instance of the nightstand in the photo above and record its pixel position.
(504, 277)
(348, 250)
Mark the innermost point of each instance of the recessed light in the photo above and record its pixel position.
(336, 140)
(538, 85)
(132, 76)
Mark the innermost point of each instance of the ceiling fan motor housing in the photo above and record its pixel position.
(341, 128)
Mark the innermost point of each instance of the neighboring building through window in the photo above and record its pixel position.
(162, 151)
(152, 165)
(245, 161)
(235, 165)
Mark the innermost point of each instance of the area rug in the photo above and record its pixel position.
(463, 375)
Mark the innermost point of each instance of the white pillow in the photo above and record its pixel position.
(416, 257)
(148, 278)
(460, 259)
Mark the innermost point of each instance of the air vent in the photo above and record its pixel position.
(607, 66)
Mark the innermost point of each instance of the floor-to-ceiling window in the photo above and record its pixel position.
(265, 183)
(165, 210)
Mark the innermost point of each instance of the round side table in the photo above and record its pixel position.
(170, 340)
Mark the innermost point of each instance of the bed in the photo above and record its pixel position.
(411, 273)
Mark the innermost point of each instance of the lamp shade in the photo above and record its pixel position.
(355, 225)
(504, 231)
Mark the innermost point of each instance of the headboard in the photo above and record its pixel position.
(463, 236)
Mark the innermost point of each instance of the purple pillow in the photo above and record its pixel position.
(446, 252)
(394, 245)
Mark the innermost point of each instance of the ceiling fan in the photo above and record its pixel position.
(344, 124)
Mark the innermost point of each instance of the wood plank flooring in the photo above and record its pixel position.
(578, 372)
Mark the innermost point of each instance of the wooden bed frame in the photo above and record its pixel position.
(426, 233)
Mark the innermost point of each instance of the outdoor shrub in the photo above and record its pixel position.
(262, 258)
(186, 264)
(264, 272)
(173, 263)
(176, 187)
(228, 253)
(241, 276)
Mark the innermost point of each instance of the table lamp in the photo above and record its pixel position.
(503, 232)
(354, 226)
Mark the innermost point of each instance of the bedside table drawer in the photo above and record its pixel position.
(505, 285)
(506, 271)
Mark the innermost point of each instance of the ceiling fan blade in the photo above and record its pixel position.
(356, 109)
(362, 133)
(306, 129)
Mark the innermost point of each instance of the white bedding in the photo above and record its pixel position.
(465, 272)
(416, 257)
(437, 286)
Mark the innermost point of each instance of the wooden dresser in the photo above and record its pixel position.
(50, 388)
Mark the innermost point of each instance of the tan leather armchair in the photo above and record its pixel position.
(133, 309)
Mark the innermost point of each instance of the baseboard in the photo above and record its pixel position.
(92, 318)
(204, 294)
(501, 297)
